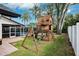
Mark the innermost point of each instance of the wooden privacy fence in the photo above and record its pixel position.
(73, 32)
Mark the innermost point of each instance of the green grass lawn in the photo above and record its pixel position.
(57, 47)
(60, 47)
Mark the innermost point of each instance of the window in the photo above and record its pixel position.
(17, 31)
(47, 20)
(12, 29)
(5, 32)
(5, 29)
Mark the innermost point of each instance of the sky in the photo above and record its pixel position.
(21, 8)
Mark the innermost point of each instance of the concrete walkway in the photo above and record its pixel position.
(6, 47)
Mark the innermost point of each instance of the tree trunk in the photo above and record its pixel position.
(59, 31)
(62, 19)
(58, 28)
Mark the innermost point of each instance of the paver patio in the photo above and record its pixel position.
(6, 47)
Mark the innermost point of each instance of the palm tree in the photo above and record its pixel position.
(36, 11)
(25, 17)
(31, 25)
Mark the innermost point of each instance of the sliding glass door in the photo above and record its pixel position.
(12, 31)
(5, 32)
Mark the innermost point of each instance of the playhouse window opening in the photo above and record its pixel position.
(43, 25)
(47, 20)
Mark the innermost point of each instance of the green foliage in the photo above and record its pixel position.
(54, 29)
(26, 16)
(70, 20)
(31, 25)
(36, 11)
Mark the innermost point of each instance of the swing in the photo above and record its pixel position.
(30, 34)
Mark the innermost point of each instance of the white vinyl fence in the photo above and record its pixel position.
(73, 32)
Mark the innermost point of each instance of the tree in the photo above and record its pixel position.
(26, 17)
(31, 25)
(59, 11)
(62, 18)
(36, 11)
(70, 20)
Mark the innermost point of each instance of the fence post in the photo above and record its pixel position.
(74, 37)
(77, 39)
(69, 33)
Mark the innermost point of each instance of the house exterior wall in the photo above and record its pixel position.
(0, 31)
(5, 21)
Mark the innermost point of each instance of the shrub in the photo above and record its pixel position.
(70, 20)
(54, 29)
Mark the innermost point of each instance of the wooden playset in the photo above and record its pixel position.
(42, 31)
(43, 28)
